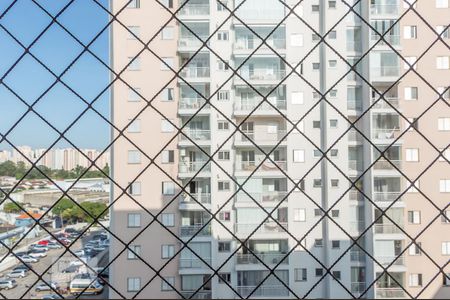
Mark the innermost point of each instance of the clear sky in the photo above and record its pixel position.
(56, 49)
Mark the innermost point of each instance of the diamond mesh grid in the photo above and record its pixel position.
(292, 70)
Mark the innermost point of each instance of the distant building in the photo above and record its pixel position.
(24, 220)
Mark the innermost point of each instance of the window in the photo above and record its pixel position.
(168, 188)
(134, 32)
(334, 152)
(135, 188)
(134, 63)
(297, 40)
(135, 126)
(336, 275)
(168, 220)
(300, 274)
(224, 277)
(319, 272)
(133, 94)
(316, 124)
(444, 124)
(317, 183)
(333, 123)
(168, 157)
(331, 4)
(445, 248)
(223, 125)
(446, 217)
(167, 94)
(414, 249)
(224, 216)
(316, 66)
(221, 7)
(334, 183)
(414, 217)
(167, 283)
(410, 62)
(315, 8)
(133, 284)
(133, 252)
(299, 156)
(222, 66)
(317, 153)
(442, 62)
(297, 97)
(166, 126)
(318, 212)
(224, 155)
(335, 213)
(409, 32)
(299, 215)
(335, 244)
(315, 37)
(134, 220)
(223, 95)
(446, 281)
(332, 63)
(444, 185)
(411, 93)
(222, 35)
(333, 93)
(167, 3)
(441, 3)
(167, 33)
(134, 157)
(412, 155)
(224, 246)
(318, 243)
(167, 251)
(167, 63)
(134, 4)
(415, 279)
(332, 35)
(443, 31)
(223, 185)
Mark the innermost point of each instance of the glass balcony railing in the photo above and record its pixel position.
(276, 44)
(384, 9)
(265, 166)
(386, 196)
(385, 133)
(267, 258)
(268, 227)
(196, 295)
(382, 103)
(195, 72)
(194, 9)
(388, 260)
(251, 104)
(263, 290)
(192, 103)
(262, 74)
(264, 197)
(386, 71)
(388, 39)
(386, 228)
(196, 135)
(194, 263)
(383, 164)
(393, 293)
(194, 166)
(261, 136)
(357, 255)
(204, 198)
(354, 136)
(187, 231)
(191, 42)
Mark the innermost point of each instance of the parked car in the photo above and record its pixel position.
(105, 243)
(80, 252)
(78, 262)
(29, 259)
(41, 247)
(17, 274)
(43, 242)
(99, 248)
(6, 284)
(52, 296)
(70, 269)
(42, 286)
(64, 241)
(37, 253)
(21, 267)
(53, 245)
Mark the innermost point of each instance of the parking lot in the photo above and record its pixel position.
(56, 273)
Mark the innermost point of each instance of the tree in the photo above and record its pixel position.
(21, 169)
(8, 168)
(11, 207)
(62, 205)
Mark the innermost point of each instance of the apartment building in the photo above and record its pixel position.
(201, 196)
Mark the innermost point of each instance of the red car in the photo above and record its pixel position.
(43, 242)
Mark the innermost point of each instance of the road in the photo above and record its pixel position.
(54, 273)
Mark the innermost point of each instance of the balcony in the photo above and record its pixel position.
(357, 255)
(190, 105)
(192, 43)
(382, 103)
(244, 107)
(263, 290)
(246, 46)
(355, 105)
(383, 164)
(198, 295)
(385, 73)
(194, 10)
(357, 288)
(386, 196)
(194, 263)
(393, 293)
(199, 136)
(262, 198)
(260, 137)
(386, 229)
(354, 136)
(192, 200)
(388, 260)
(191, 73)
(190, 168)
(357, 227)
(267, 258)
(189, 231)
(266, 166)
(389, 39)
(268, 227)
(384, 9)
(355, 165)
(385, 134)
(355, 195)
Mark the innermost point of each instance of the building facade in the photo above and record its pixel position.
(234, 171)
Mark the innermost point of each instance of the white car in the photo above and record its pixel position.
(17, 274)
(54, 246)
(40, 247)
(37, 254)
(79, 253)
(29, 259)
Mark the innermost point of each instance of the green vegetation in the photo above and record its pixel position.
(72, 213)
(18, 170)
(11, 207)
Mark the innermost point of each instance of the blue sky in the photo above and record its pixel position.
(56, 49)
